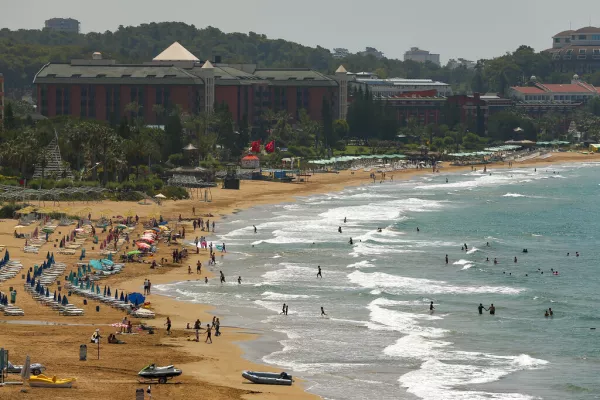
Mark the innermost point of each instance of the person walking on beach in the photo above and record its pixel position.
(193, 210)
(145, 287)
(492, 309)
(189, 269)
(323, 312)
(217, 327)
(149, 286)
(198, 267)
(283, 309)
(205, 279)
(481, 308)
(208, 334)
(168, 324)
(319, 274)
(222, 277)
(213, 224)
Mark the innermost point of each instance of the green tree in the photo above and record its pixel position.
(9, 117)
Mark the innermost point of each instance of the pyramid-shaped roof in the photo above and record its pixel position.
(176, 52)
(341, 70)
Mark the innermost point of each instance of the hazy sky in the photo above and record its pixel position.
(470, 29)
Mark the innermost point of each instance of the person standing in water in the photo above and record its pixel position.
(283, 309)
(339, 229)
(446, 259)
(323, 312)
(350, 241)
(222, 276)
(431, 307)
(319, 274)
(239, 280)
(466, 248)
(255, 230)
(418, 230)
(492, 309)
(345, 220)
(550, 312)
(286, 309)
(481, 308)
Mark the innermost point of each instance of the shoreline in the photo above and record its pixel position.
(219, 365)
(362, 178)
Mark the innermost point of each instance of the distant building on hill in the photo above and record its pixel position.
(372, 51)
(422, 56)
(102, 89)
(340, 53)
(576, 50)
(461, 62)
(63, 25)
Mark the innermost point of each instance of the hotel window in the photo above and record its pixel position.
(44, 100)
(595, 37)
(596, 52)
(556, 40)
(113, 104)
(582, 51)
(582, 37)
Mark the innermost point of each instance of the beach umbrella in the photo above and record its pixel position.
(126, 298)
(97, 289)
(59, 299)
(142, 245)
(64, 300)
(81, 285)
(122, 297)
(6, 255)
(54, 297)
(104, 290)
(136, 298)
(108, 291)
(79, 272)
(121, 226)
(47, 292)
(116, 296)
(87, 284)
(28, 277)
(92, 288)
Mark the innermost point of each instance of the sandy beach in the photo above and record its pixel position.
(210, 370)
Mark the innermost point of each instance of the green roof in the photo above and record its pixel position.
(225, 75)
(115, 74)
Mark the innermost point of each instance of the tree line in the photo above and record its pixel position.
(24, 52)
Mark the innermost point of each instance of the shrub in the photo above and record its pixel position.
(8, 211)
(175, 192)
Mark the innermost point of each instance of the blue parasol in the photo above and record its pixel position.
(54, 297)
(136, 298)
(64, 300)
(28, 277)
(122, 298)
(126, 298)
(6, 255)
(108, 291)
(59, 298)
(104, 291)
(116, 295)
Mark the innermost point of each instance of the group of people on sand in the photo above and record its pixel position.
(216, 326)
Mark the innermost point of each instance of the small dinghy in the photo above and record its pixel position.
(268, 378)
(161, 374)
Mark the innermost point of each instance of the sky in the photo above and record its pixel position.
(471, 29)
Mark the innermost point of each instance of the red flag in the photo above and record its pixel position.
(255, 146)
(270, 147)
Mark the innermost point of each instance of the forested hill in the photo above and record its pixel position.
(24, 52)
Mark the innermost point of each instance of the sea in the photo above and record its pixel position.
(379, 338)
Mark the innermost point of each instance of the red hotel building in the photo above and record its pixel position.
(101, 89)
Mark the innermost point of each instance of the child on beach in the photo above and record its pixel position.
(208, 334)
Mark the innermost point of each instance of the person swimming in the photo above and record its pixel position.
(487, 259)
(495, 261)
(546, 314)
(480, 308)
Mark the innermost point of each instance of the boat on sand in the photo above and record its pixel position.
(268, 378)
(44, 381)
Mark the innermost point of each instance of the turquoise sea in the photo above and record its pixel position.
(379, 339)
